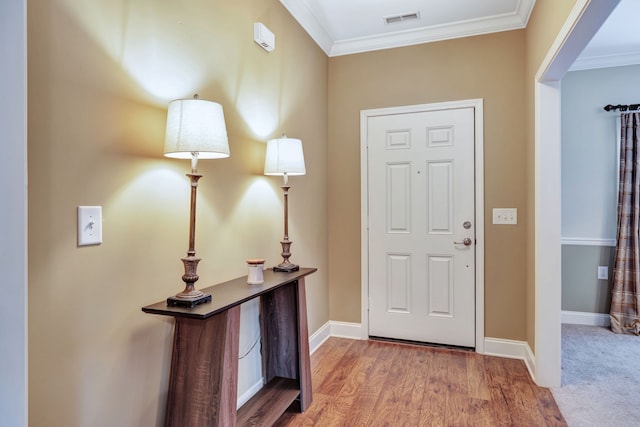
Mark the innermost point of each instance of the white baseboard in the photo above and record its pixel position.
(346, 330)
(530, 361)
(249, 393)
(583, 318)
(513, 350)
(334, 329)
(319, 337)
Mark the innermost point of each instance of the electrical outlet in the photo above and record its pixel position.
(603, 272)
(505, 215)
(89, 225)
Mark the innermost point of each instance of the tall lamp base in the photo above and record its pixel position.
(286, 267)
(188, 302)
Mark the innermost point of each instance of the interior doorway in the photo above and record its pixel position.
(583, 22)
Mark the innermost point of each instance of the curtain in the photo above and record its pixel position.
(625, 297)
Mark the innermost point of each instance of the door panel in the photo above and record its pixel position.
(440, 285)
(421, 192)
(399, 283)
(398, 198)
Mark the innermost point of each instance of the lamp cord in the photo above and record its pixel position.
(250, 348)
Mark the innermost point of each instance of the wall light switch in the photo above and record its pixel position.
(505, 215)
(89, 225)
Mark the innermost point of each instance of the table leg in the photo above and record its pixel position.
(203, 384)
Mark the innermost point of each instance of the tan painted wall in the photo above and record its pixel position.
(489, 67)
(100, 76)
(546, 20)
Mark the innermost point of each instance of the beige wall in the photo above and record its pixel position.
(100, 76)
(546, 20)
(489, 67)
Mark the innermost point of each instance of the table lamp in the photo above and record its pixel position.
(195, 130)
(285, 157)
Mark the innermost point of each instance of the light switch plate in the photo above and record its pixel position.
(89, 225)
(505, 215)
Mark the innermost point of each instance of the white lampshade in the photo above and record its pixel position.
(195, 126)
(284, 156)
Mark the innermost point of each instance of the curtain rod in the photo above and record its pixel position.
(632, 107)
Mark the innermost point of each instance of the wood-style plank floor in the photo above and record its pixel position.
(374, 383)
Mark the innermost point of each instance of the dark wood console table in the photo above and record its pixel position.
(203, 383)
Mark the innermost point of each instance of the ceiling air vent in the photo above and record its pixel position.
(402, 18)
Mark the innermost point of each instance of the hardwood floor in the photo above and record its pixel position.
(374, 383)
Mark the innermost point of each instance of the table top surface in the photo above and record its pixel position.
(229, 294)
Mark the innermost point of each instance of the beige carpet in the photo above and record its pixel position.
(600, 378)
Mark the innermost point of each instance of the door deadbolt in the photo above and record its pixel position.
(466, 225)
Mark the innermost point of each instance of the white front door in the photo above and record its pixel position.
(422, 226)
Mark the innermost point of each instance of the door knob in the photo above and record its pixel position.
(466, 241)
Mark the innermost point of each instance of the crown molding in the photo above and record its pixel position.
(497, 23)
(427, 35)
(302, 13)
(606, 61)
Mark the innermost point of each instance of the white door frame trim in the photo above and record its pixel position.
(582, 23)
(477, 105)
